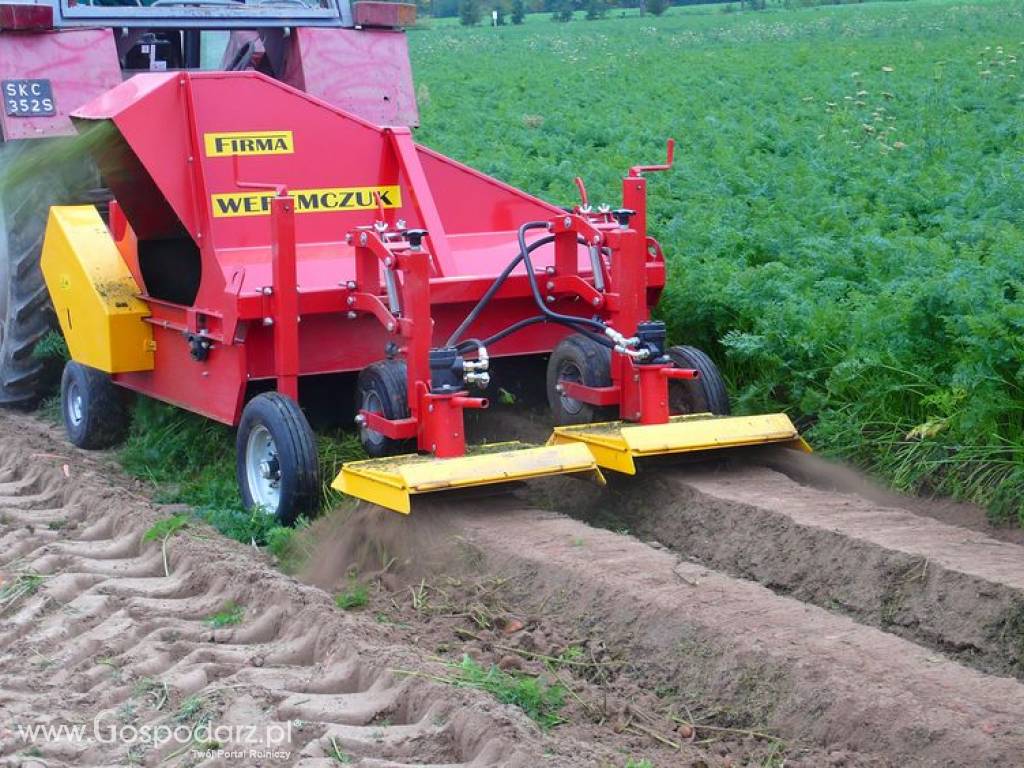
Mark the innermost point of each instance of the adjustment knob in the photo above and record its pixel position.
(623, 215)
(415, 237)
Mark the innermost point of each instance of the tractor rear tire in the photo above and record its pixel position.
(383, 388)
(582, 360)
(277, 465)
(705, 394)
(45, 174)
(94, 409)
(25, 312)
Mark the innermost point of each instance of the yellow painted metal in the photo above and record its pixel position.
(94, 294)
(392, 481)
(615, 444)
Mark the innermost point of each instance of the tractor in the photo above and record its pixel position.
(56, 55)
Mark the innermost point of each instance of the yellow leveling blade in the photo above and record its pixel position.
(616, 443)
(391, 481)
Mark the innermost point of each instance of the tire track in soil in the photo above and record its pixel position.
(106, 633)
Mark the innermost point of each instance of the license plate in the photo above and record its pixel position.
(28, 98)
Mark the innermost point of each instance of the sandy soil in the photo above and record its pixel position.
(95, 630)
(668, 648)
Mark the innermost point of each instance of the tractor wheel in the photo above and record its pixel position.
(33, 183)
(382, 388)
(25, 313)
(705, 394)
(276, 460)
(94, 410)
(578, 359)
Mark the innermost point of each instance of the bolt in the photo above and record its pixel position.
(597, 301)
(360, 419)
(549, 270)
(549, 299)
(551, 285)
(597, 239)
(391, 326)
(430, 408)
(559, 389)
(389, 262)
(351, 285)
(567, 222)
(351, 301)
(351, 315)
(268, 321)
(433, 447)
(267, 290)
(362, 238)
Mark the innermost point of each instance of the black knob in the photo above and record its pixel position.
(415, 237)
(623, 215)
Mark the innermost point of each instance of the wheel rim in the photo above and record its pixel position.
(73, 405)
(373, 404)
(263, 470)
(569, 371)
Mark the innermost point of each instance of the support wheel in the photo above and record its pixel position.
(94, 410)
(277, 464)
(579, 359)
(382, 388)
(706, 394)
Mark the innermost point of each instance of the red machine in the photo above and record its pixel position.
(268, 236)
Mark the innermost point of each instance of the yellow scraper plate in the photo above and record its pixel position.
(615, 443)
(391, 481)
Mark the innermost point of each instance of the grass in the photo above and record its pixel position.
(355, 595)
(163, 531)
(843, 228)
(21, 586)
(228, 616)
(540, 701)
(190, 460)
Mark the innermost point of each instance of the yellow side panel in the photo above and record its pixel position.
(390, 482)
(616, 444)
(94, 294)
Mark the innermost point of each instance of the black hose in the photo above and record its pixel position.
(581, 325)
(470, 344)
(532, 279)
(453, 340)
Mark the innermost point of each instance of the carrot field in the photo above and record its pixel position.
(845, 224)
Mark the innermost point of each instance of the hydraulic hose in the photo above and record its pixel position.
(581, 325)
(453, 340)
(532, 279)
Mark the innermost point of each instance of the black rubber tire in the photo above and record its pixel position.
(26, 315)
(94, 408)
(25, 305)
(382, 388)
(705, 394)
(298, 463)
(580, 359)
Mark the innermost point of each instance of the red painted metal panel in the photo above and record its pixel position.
(374, 14)
(229, 142)
(21, 16)
(80, 65)
(365, 72)
(214, 388)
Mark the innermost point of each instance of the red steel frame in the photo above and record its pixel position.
(290, 293)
